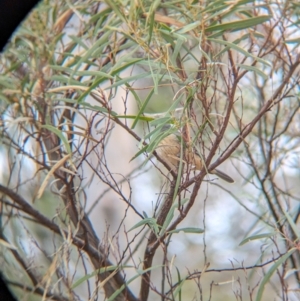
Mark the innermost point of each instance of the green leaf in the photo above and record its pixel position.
(214, 6)
(238, 25)
(98, 109)
(243, 37)
(170, 215)
(175, 103)
(200, 130)
(255, 237)
(177, 49)
(178, 289)
(222, 11)
(114, 72)
(115, 7)
(142, 109)
(128, 79)
(292, 224)
(150, 19)
(61, 136)
(78, 41)
(187, 230)
(100, 43)
(241, 50)
(142, 118)
(156, 136)
(95, 273)
(151, 23)
(66, 80)
(94, 73)
(181, 282)
(188, 27)
(7, 82)
(135, 95)
(292, 41)
(140, 273)
(150, 221)
(161, 121)
(103, 13)
(268, 275)
(4, 98)
(120, 66)
(254, 69)
(141, 151)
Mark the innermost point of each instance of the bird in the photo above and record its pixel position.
(169, 149)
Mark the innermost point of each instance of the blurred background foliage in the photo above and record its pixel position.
(86, 86)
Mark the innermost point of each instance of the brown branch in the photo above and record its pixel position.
(249, 127)
(30, 272)
(98, 256)
(198, 274)
(153, 243)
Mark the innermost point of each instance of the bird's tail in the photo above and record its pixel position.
(222, 175)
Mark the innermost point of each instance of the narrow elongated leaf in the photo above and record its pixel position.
(241, 50)
(150, 18)
(97, 108)
(292, 224)
(145, 103)
(142, 118)
(238, 25)
(129, 79)
(147, 221)
(179, 287)
(187, 230)
(188, 27)
(243, 37)
(141, 151)
(88, 53)
(142, 109)
(161, 121)
(214, 6)
(60, 135)
(178, 48)
(8, 82)
(124, 65)
(116, 8)
(96, 73)
(268, 275)
(96, 272)
(179, 172)
(66, 80)
(292, 41)
(157, 135)
(175, 104)
(170, 215)
(146, 148)
(254, 69)
(114, 72)
(255, 237)
(140, 273)
(151, 26)
(79, 41)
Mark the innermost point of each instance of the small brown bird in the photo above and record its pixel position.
(169, 150)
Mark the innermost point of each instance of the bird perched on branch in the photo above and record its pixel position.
(169, 149)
